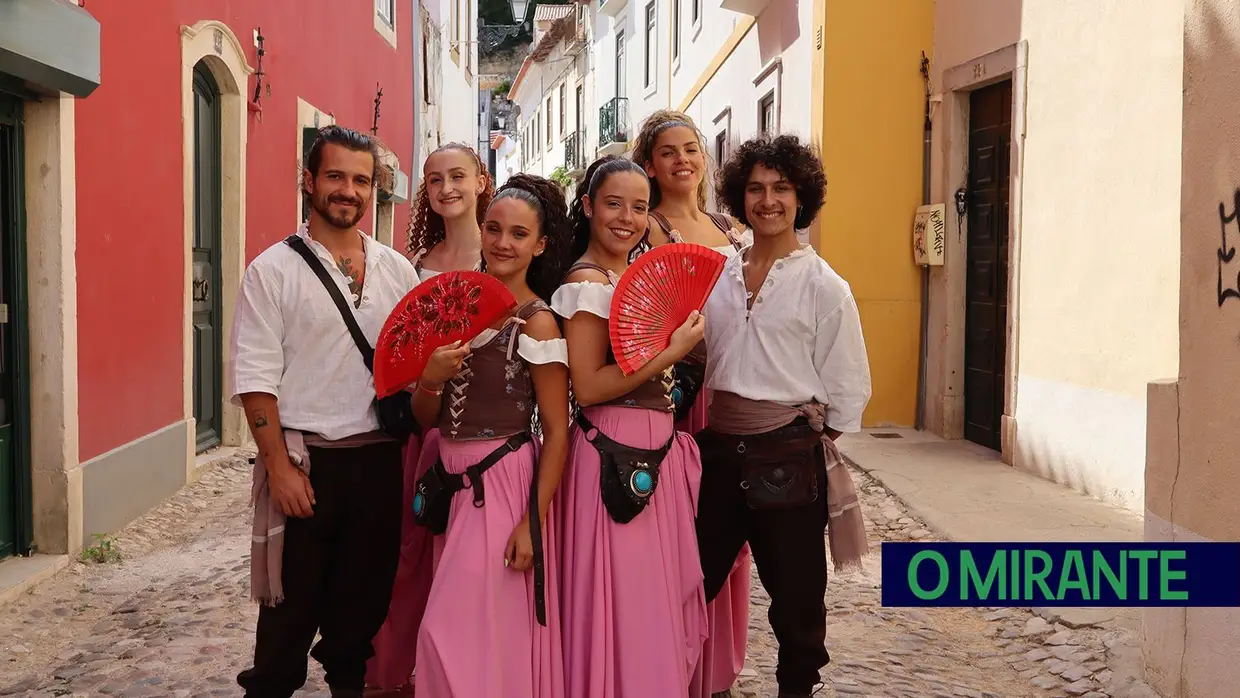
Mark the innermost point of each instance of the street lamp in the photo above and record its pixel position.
(518, 8)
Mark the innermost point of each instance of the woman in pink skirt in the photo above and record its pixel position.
(671, 150)
(444, 235)
(632, 597)
(491, 626)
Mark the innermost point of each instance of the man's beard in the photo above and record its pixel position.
(342, 221)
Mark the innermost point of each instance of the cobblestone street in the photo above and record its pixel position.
(173, 618)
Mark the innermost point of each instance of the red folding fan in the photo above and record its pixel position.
(455, 305)
(655, 296)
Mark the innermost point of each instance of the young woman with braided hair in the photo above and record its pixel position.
(632, 597)
(444, 235)
(492, 627)
(672, 151)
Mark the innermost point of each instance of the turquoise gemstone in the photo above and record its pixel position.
(418, 502)
(642, 481)
(677, 396)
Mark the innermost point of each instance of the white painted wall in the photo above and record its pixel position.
(1099, 248)
(775, 55)
(542, 82)
(453, 73)
(507, 161)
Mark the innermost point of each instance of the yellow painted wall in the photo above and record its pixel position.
(873, 102)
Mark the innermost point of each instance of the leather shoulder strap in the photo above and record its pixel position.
(531, 308)
(589, 265)
(662, 220)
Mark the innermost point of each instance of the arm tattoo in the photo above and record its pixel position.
(260, 419)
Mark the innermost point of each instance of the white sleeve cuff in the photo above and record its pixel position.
(542, 351)
(582, 296)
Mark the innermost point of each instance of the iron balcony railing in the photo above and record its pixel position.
(575, 152)
(613, 122)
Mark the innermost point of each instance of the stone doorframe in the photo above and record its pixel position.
(51, 282)
(214, 43)
(946, 353)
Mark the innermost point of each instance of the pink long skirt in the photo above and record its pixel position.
(480, 635)
(632, 599)
(723, 655)
(395, 644)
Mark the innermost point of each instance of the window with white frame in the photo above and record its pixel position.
(721, 148)
(652, 42)
(386, 9)
(549, 120)
(581, 111)
(675, 30)
(767, 124)
(621, 68)
(563, 108)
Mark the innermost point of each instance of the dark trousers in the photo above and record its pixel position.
(338, 570)
(789, 549)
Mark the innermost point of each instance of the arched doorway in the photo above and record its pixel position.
(206, 284)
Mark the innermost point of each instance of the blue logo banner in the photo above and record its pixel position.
(1061, 574)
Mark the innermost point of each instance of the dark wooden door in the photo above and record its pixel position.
(207, 313)
(986, 284)
(15, 535)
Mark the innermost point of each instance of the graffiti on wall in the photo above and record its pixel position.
(1228, 265)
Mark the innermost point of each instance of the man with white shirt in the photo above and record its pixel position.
(301, 377)
(788, 369)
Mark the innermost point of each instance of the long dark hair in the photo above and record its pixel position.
(599, 171)
(426, 227)
(546, 198)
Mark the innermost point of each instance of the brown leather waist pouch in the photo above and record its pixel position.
(778, 469)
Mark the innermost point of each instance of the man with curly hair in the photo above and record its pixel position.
(788, 367)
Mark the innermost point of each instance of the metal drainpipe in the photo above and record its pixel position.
(920, 423)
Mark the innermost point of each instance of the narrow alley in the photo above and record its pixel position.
(172, 617)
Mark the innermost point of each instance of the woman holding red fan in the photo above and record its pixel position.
(444, 235)
(491, 626)
(672, 151)
(632, 596)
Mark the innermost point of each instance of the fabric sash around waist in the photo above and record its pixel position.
(731, 414)
(368, 438)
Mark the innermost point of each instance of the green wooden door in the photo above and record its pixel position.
(207, 312)
(15, 530)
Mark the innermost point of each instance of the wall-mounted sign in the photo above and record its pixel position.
(929, 234)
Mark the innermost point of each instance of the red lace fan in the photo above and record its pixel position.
(655, 296)
(455, 305)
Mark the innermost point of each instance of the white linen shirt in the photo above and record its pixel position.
(800, 342)
(289, 340)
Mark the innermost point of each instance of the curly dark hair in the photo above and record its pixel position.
(598, 172)
(643, 148)
(427, 228)
(793, 159)
(546, 198)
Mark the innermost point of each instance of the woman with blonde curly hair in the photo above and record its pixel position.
(445, 234)
(671, 150)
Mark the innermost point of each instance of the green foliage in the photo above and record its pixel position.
(102, 551)
(561, 177)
